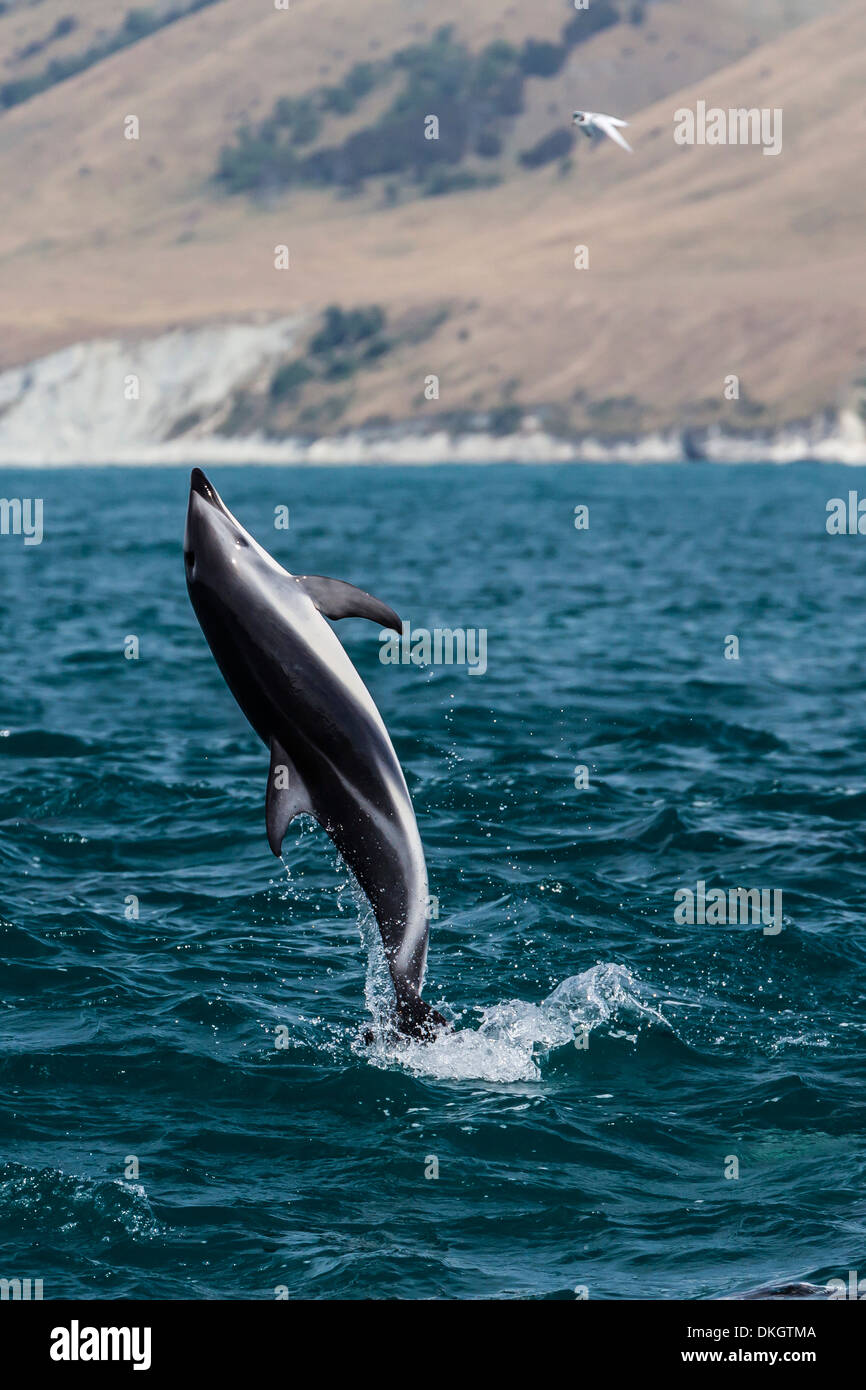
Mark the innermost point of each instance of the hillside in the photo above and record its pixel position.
(704, 261)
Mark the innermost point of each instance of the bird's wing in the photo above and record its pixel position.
(607, 126)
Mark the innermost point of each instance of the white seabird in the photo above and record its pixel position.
(596, 123)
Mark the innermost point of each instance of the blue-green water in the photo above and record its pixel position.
(559, 1166)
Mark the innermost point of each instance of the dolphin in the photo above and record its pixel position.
(331, 757)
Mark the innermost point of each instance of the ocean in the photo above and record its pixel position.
(631, 1105)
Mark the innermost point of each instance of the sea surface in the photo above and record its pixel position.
(188, 1108)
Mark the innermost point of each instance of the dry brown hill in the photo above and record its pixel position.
(703, 261)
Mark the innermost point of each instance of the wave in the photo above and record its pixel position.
(55, 1204)
(44, 743)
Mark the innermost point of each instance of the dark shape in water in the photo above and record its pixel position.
(794, 1290)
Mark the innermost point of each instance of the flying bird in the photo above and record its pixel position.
(596, 123)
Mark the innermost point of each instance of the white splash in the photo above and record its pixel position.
(514, 1037)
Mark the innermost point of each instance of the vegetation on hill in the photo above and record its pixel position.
(137, 24)
(64, 26)
(472, 96)
(668, 268)
(346, 341)
(556, 145)
(312, 388)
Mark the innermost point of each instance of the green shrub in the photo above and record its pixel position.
(556, 145)
(341, 329)
(538, 59)
(506, 419)
(306, 122)
(377, 348)
(440, 181)
(601, 14)
(362, 79)
(339, 368)
(288, 379)
(139, 23)
(488, 145)
(339, 100)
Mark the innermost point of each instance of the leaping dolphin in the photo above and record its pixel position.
(331, 756)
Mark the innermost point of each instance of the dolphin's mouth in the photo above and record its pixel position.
(199, 484)
(199, 488)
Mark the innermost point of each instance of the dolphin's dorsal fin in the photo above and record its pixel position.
(336, 599)
(286, 798)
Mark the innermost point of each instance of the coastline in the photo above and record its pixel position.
(839, 439)
(166, 400)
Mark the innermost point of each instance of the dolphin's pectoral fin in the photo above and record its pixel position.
(287, 796)
(336, 599)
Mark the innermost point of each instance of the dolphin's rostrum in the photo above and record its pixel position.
(331, 756)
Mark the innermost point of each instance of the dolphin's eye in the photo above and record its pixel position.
(239, 540)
